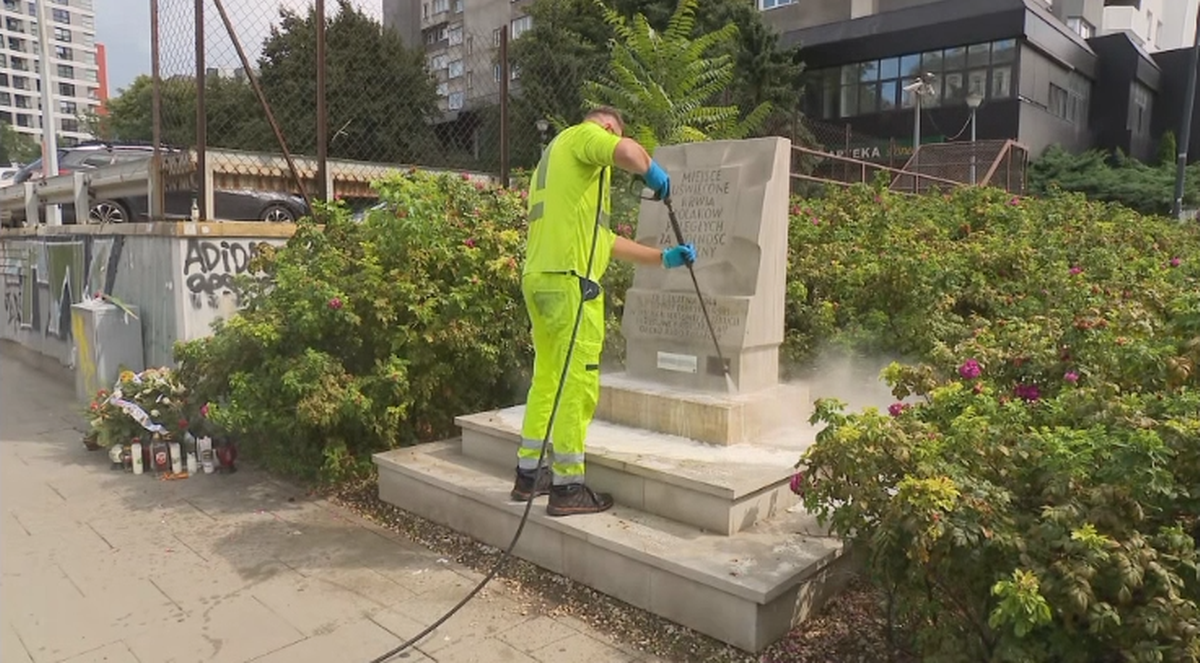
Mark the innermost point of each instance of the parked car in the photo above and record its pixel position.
(7, 173)
(246, 204)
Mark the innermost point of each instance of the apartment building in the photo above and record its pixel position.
(74, 70)
(462, 41)
(1074, 73)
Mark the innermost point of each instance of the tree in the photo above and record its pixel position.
(570, 42)
(17, 147)
(380, 94)
(665, 81)
(235, 118)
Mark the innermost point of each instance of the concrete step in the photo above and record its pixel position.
(747, 590)
(718, 488)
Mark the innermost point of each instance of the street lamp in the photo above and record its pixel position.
(974, 100)
(542, 126)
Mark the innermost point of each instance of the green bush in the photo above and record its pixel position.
(1113, 178)
(376, 333)
(1035, 496)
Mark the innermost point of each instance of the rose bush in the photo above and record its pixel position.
(1039, 502)
(373, 333)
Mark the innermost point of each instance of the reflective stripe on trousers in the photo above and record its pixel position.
(552, 301)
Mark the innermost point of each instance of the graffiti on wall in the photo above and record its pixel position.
(211, 268)
(64, 270)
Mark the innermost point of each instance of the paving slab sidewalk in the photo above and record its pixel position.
(100, 565)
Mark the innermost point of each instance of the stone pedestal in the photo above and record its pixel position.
(703, 416)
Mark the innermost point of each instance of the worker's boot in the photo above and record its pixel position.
(576, 498)
(531, 481)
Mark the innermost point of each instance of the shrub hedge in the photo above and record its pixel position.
(1039, 502)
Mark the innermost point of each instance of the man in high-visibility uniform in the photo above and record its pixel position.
(571, 181)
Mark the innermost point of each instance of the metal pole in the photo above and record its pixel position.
(322, 109)
(49, 120)
(917, 138)
(201, 118)
(262, 99)
(504, 106)
(973, 137)
(156, 199)
(1185, 131)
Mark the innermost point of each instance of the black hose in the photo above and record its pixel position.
(545, 443)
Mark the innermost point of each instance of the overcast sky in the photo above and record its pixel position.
(123, 26)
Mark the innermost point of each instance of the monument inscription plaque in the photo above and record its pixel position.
(730, 198)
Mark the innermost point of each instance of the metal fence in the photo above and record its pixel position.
(325, 84)
(320, 98)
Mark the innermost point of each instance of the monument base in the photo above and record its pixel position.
(715, 418)
(748, 590)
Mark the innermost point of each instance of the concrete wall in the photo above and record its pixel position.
(180, 276)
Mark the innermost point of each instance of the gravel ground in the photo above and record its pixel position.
(850, 630)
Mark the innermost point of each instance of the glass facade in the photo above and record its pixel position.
(864, 88)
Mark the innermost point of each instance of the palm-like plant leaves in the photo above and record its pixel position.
(666, 83)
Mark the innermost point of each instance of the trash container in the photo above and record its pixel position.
(107, 340)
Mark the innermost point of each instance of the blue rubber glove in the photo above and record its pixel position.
(678, 256)
(658, 181)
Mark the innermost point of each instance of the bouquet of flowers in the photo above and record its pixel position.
(140, 404)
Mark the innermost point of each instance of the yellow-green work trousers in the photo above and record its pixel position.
(552, 301)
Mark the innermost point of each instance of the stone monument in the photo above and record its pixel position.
(731, 200)
(705, 530)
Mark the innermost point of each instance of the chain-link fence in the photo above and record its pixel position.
(265, 91)
(412, 88)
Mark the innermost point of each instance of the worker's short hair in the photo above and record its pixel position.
(609, 111)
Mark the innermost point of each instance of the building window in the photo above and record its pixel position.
(456, 69)
(66, 71)
(66, 90)
(772, 4)
(496, 36)
(24, 120)
(1081, 27)
(6, 99)
(440, 6)
(877, 86)
(64, 53)
(496, 73)
(70, 125)
(22, 101)
(1071, 103)
(456, 35)
(437, 62)
(443, 89)
(62, 34)
(67, 107)
(470, 80)
(458, 6)
(455, 102)
(1139, 110)
(521, 25)
(15, 44)
(60, 16)
(14, 25)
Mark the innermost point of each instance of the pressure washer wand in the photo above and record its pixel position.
(703, 307)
